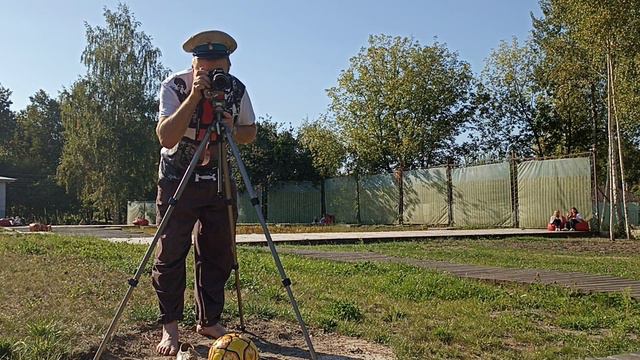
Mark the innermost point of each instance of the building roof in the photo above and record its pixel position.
(6, 179)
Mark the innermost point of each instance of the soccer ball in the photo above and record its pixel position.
(233, 346)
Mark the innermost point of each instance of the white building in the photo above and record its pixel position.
(3, 194)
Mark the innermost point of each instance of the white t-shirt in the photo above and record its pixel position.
(177, 87)
(173, 91)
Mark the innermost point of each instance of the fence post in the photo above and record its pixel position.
(358, 218)
(514, 190)
(323, 198)
(450, 195)
(264, 205)
(596, 208)
(399, 175)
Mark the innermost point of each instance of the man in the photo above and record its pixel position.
(185, 114)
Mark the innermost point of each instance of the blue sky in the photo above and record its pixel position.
(288, 53)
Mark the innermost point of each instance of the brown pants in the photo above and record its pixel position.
(213, 253)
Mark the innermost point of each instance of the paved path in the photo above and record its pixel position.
(134, 235)
(101, 231)
(588, 283)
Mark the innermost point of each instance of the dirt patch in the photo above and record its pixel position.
(276, 340)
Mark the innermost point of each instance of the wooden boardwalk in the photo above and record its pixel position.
(346, 237)
(629, 356)
(583, 282)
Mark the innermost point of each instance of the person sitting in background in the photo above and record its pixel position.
(331, 219)
(574, 219)
(327, 219)
(557, 220)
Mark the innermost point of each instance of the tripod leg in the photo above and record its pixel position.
(133, 282)
(232, 228)
(286, 282)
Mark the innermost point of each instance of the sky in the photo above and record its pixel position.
(289, 52)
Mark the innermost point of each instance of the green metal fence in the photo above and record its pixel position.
(425, 197)
(141, 209)
(548, 185)
(482, 195)
(246, 211)
(379, 198)
(523, 194)
(294, 202)
(633, 209)
(341, 198)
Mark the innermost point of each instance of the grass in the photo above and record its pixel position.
(596, 256)
(420, 314)
(45, 340)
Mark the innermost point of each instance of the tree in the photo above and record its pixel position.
(513, 114)
(324, 144)
(327, 151)
(109, 116)
(38, 138)
(275, 155)
(572, 81)
(607, 34)
(400, 105)
(36, 147)
(7, 121)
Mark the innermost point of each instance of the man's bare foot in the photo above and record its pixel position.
(169, 343)
(214, 331)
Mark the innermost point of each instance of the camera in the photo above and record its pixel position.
(220, 86)
(220, 81)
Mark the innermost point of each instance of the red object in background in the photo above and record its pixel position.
(5, 222)
(582, 226)
(39, 227)
(141, 222)
(552, 227)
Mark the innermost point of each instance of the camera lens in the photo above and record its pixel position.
(219, 80)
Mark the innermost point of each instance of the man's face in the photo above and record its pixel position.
(211, 64)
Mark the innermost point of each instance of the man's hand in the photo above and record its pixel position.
(201, 82)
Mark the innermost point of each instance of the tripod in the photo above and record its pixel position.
(224, 135)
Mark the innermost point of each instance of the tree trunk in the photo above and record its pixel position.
(612, 157)
(450, 220)
(594, 147)
(399, 179)
(606, 196)
(594, 116)
(358, 217)
(595, 189)
(514, 189)
(622, 180)
(263, 202)
(323, 198)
